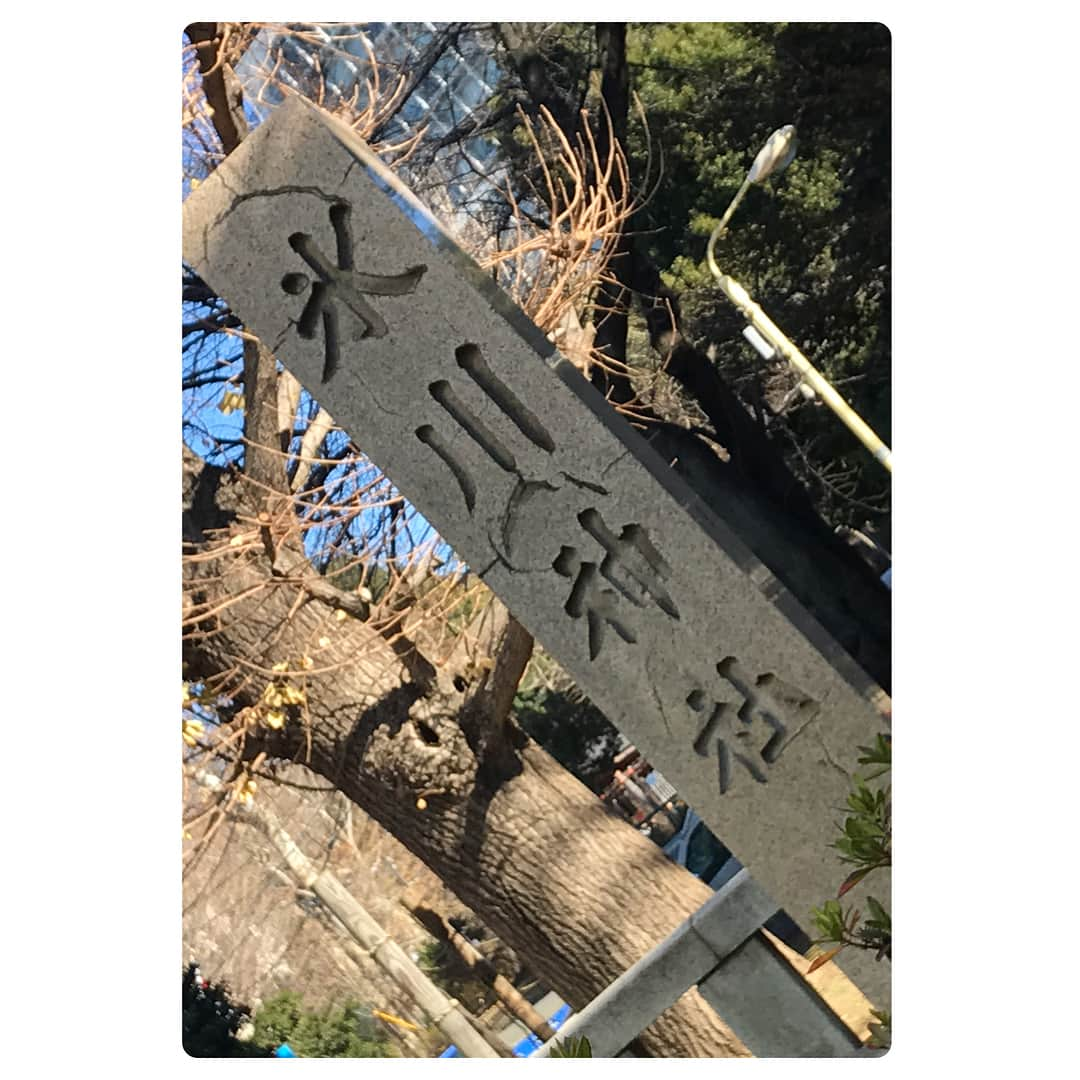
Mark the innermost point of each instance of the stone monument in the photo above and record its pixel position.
(655, 608)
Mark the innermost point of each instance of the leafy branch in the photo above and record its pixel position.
(865, 842)
(574, 1046)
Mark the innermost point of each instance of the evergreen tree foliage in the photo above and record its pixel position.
(336, 1031)
(811, 245)
(570, 728)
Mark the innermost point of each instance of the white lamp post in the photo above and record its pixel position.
(762, 332)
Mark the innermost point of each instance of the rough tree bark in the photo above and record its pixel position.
(518, 839)
(613, 298)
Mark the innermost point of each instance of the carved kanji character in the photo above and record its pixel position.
(631, 555)
(471, 361)
(631, 563)
(589, 598)
(341, 283)
(765, 698)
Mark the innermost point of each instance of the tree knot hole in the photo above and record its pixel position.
(427, 733)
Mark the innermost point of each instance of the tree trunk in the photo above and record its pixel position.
(612, 302)
(532, 851)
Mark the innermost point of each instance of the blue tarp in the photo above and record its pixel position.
(530, 1044)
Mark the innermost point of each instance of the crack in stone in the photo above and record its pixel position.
(205, 248)
(596, 488)
(490, 566)
(656, 696)
(502, 560)
(219, 175)
(522, 491)
(820, 740)
(382, 407)
(279, 340)
(285, 189)
(800, 729)
(608, 468)
(500, 557)
(349, 168)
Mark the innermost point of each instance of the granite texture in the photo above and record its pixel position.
(774, 1014)
(662, 616)
(697, 953)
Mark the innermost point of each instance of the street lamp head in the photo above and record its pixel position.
(775, 155)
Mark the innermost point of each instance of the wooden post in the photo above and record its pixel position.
(439, 926)
(446, 1013)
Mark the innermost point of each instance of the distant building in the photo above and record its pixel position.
(635, 787)
(446, 97)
